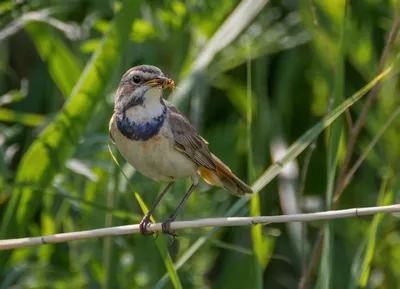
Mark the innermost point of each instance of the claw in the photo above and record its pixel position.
(166, 228)
(144, 225)
(172, 242)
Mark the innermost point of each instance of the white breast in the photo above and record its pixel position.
(156, 158)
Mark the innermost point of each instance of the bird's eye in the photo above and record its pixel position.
(136, 79)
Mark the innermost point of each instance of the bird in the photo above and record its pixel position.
(159, 141)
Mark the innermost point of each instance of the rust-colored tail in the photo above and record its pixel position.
(225, 178)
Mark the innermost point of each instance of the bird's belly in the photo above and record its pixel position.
(156, 158)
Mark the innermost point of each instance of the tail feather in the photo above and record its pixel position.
(225, 178)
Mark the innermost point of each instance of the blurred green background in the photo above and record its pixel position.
(252, 76)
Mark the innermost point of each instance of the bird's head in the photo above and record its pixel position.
(140, 85)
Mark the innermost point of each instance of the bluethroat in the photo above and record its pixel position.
(159, 142)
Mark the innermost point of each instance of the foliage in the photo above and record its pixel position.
(252, 85)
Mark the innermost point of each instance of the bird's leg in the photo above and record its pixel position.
(166, 226)
(145, 223)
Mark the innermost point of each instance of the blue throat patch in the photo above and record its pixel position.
(141, 131)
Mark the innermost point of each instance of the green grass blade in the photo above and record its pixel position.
(28, 119)
(361, 267)
(386, 198)
(6, 6)
(109, 251)
(162, 248)
(294, 150)
(335, 132)
(63, 66)
(160, 241)
(255, 210)
(231, 247)
(301, 144)
(239, 19)
(57, 142)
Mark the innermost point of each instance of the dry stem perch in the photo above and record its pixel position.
(210, 222)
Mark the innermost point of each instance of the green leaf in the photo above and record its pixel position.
(260, 248)
(362, 261)
(90, 46)
(238, 20)
(160, 242)
(28, 119)
(301, 144)
(57, 142)
(6, 6)
(385, 199)
(63, 66)
(142, 31)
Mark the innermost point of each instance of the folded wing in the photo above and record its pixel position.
(211, 168)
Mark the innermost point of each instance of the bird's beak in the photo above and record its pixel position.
(162, 81)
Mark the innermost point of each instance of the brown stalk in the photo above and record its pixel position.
(355, 131)
(361, 120)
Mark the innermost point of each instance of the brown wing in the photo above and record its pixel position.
(188, 141)
(212, 169)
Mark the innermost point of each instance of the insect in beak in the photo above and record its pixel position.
(162, 81)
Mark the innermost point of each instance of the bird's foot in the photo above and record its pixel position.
(144, 225)
(166, 227)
